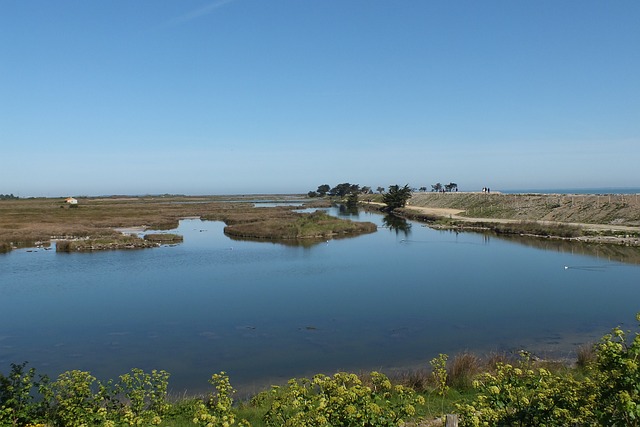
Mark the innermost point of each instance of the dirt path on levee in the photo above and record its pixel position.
(616, 212)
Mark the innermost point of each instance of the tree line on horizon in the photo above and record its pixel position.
(395, 197)
(344, 189)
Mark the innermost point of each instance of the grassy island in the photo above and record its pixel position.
(317, 225)
(165, 238)
(105, 243)
(97, 223)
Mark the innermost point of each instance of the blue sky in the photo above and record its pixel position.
(280, 96)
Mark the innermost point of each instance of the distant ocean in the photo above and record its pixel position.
(605, 190)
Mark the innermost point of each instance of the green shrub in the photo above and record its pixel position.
(217, 412)
(71, 400)
(439, 373)
(341, 400)
(146, 395)
(617, 375)
(523, 395)
(17, 405)
(604, 391)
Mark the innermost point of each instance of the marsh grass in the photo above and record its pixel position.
(295, 226)
(103, 243)
(163, 237)
(420, 379)
(463, 369)
(586, 355)
(538, 229)
(523, 228)
(27, 221)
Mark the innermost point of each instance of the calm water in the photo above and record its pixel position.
(267, 312)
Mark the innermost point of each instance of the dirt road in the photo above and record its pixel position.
(619, 212)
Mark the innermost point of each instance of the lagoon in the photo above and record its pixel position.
(266, 312)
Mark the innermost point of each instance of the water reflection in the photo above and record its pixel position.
(397, 224)
(609, 252)
(304, 243)
(269, 312)
(348, 210)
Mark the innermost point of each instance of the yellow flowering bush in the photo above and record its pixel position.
(17, 405)
(608, 395)
(617, 376)
(340, 400)
(71, 399)
(439, 373)
(77, 398)
(217, 412)
(146, 395)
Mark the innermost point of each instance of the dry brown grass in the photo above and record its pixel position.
(420, 380)
(292, 226)
(463, 369)
(163, 238)
(618, 209)
(586, 355)
(105, 243)
(27, 221)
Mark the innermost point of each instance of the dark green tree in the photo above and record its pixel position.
(396, 197)
(343, 189)
(352, 201)
(323, 190)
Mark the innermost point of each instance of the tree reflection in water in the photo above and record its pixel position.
(397, 224)
(348, 210)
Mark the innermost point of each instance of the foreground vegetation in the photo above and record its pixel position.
(603, 389)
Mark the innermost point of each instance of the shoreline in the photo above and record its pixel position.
(582, 218)
(612, 219)
(458, 222)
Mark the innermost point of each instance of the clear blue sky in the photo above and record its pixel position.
(263, 96)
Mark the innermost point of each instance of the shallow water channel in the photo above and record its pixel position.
(266, 312)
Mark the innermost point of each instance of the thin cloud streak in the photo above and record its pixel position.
(198, 13)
